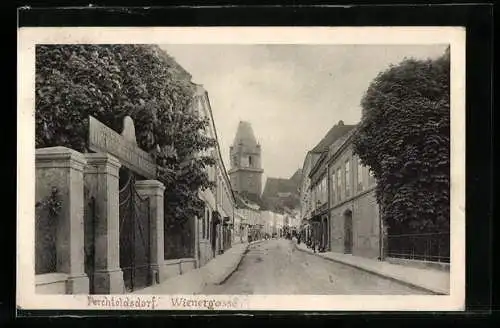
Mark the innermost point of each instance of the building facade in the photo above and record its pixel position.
(214, 228)
(319, 220)
(355, 225)
(268, 222)
(278, 224)
(345, 217)
(305, 194)
(309, 207)
(240, 229)
(340, 202)
(252, 216)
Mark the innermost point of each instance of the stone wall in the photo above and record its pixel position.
(206, 253)
(61, 168)
(365, 225)
(45, 241)
(84, 239)
(51, 283)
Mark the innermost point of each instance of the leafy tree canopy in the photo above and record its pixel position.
(404, 137)
(112, 81)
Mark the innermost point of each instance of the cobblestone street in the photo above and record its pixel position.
(277, 267)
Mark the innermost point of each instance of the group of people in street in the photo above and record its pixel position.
(287, 234)
(315, 245)
(311, 242)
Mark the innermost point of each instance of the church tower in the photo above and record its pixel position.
(246, 168)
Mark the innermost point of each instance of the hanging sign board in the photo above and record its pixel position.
(123, 147)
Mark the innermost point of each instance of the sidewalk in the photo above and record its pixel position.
(216, 271)
(435, 281)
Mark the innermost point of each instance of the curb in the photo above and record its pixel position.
(410, 284)
(238, 263)
(201, 274)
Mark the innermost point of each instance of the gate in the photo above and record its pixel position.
(135, 238)
(89, 243)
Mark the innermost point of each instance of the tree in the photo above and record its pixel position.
(112, 81)
(404, 137)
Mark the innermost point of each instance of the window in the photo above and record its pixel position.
(333, 188)
(316, 196)
(208, 225)
(203, 224)
(244, 161)
(371, 178)
(320, 193)
(325, 190)
(219, 190)
(250, 161)
(360, 175)
(313, 194)
(347, 179)
(211, 174)
(339, 185)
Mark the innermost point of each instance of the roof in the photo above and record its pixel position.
(339, 143)
(239, 201)
(297, 176)
(245, 135)
(320, 162)
(276, 185)
(280, 193)
(335, 133)
(243, 199)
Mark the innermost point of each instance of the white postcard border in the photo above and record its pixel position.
(29, 37)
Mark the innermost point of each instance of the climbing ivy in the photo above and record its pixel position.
(52, 203)
(404, 137)
(112, 81)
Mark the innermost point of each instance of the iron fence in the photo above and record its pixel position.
(434, 247)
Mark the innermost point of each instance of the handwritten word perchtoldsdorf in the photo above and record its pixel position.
(127, 301)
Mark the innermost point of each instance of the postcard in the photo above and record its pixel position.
(241, 168)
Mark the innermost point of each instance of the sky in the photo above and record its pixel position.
(291, 94)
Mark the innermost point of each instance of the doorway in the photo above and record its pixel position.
(326, 234)
(213, 237)
(348, 233)
(134, 231)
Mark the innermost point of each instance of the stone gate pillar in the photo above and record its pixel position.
(62, 168)
(154, 190)
(102, 181)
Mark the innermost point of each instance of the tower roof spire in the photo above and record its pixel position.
(245, 135)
